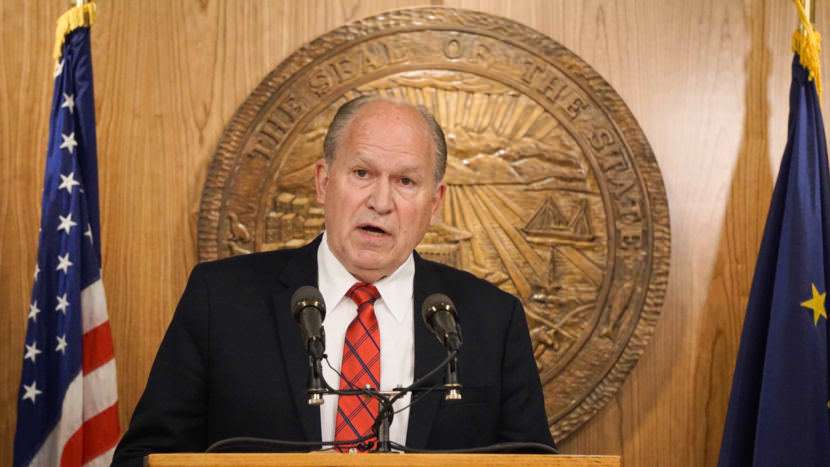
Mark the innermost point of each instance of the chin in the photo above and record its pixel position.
(376, 269)
(366, 275)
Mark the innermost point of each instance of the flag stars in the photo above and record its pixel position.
(67, 182)
(33, 311)
(88, 233)
(31, 392)
(32, 351)
(64, 263)
(63, 304)
(37, 270)
(58, 68)
(66, 223)
(61, 345)
(69, 102)
(816, 303)
(69, 142)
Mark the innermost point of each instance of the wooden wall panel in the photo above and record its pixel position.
(707, 80)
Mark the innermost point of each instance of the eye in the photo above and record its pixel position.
(361, 173)
(406, 181)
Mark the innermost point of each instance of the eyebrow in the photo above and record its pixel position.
(362, 157)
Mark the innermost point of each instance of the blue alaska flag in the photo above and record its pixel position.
(779, 409)
(67, 411)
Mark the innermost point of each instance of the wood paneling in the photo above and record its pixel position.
(707, 80)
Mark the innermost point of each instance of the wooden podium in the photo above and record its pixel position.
(385, 460)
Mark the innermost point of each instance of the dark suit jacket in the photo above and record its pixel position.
(232, 363)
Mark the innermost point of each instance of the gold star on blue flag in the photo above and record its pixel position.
(816, 303)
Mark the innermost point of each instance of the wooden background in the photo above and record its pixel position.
(707, 79)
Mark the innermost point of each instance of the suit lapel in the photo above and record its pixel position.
(428, 354)
(301, 270)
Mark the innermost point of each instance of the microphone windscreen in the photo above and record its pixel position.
(435, 302)
(307, 296)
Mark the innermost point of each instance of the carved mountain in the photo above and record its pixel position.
(535, 169)
(488, 169)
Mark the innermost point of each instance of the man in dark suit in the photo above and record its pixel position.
(233, 363)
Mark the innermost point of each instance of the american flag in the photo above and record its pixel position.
(67, 411)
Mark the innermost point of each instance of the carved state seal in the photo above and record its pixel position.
(554, 193)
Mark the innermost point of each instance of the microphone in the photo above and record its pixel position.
(308, 310)
(441, 318)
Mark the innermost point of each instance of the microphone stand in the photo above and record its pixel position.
(315, 381)
(316, 386)
(452, 385)
(386, 411)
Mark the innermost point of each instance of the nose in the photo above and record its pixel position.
(380, 199)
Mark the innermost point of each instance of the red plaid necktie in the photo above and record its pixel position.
(360, 368)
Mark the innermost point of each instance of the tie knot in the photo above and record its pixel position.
(362, 293)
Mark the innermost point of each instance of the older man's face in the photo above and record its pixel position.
(380, 194)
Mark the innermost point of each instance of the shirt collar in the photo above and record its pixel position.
(334, 281)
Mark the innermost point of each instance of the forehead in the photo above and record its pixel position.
(388, 129)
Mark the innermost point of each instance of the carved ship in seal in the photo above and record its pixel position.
(549, 226)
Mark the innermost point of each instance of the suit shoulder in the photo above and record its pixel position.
(259, 267)
(250, 260)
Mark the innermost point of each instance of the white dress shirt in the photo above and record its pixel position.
(394, 312)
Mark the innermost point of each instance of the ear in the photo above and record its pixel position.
(321, 179)
(439, 199)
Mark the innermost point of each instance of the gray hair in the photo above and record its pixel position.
(347, 111)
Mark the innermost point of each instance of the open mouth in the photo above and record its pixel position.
(373, 229)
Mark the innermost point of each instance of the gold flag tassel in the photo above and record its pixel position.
(77, 17)
(807, 43)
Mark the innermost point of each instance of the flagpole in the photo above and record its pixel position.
(809, 7)
(806, 41)
(80, 3)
